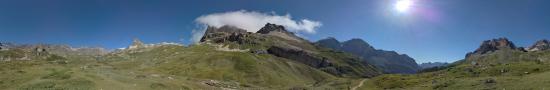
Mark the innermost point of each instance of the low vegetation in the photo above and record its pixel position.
(520, 70)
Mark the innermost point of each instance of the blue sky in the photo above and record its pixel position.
(433, 30)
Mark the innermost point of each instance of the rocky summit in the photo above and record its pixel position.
(489, 46)
(540, 45)
(496, 64)
(388, 61)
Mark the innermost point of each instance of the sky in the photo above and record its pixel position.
(427, 30)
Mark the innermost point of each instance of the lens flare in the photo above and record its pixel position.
(403, 5)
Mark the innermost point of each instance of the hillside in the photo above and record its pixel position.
(497, 64)
(387, 61)
(269, 59)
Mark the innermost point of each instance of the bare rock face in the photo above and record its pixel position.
(540, 45)
(280, 31)
(3, 47)
(268, 28)
(493, 45)
(136, 44)
(224, 34)
(6, 46)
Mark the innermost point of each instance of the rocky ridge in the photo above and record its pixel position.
(540, 45)
(276, 40)
(388, 61)
(489, 46)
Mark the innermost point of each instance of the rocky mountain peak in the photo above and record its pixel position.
(433, 64)
(2, 46)
(222, 34)
(271, 28)
(329, 42)
(358, 43)
(540, 46)
(492, 45)
(388, 61)
(136, 43)
(224, 29)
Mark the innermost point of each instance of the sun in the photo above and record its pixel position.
(403, 5)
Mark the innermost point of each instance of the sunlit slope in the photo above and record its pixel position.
(502, 69)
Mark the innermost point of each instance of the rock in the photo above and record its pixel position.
(268, 28)
(259, 52)
(223, 34)
(136, 44)
(540, 45)
(2, 47)
(280, 31)
(220, 84)
(489, 46)
(490, 80)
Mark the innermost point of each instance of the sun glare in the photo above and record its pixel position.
(403, 5)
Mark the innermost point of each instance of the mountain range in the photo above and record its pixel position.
(388, 61)
(496, 64)
(226, 58)
(230, 58)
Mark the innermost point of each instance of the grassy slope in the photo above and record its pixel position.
(509, 70)
(339, 59)
(169, 67)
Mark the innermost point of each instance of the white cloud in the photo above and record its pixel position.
(254, 21)
(197, 35)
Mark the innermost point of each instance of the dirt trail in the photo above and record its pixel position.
(359, 85)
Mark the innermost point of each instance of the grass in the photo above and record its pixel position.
(518, 71)
(179, 68)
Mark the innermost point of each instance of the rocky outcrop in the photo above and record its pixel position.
(489, 46)
(268, 28)
(3, 46)
(388, 61)
(540, 45)
(136, 43)
(224, 34)
(281, 32)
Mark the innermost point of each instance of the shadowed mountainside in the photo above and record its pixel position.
(388, 61)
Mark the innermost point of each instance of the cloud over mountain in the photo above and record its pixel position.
(253, 21)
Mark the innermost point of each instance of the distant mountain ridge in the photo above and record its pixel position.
(489, 46)
(389, 61)
(495, 64)
(276, 40)
(433, 64)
